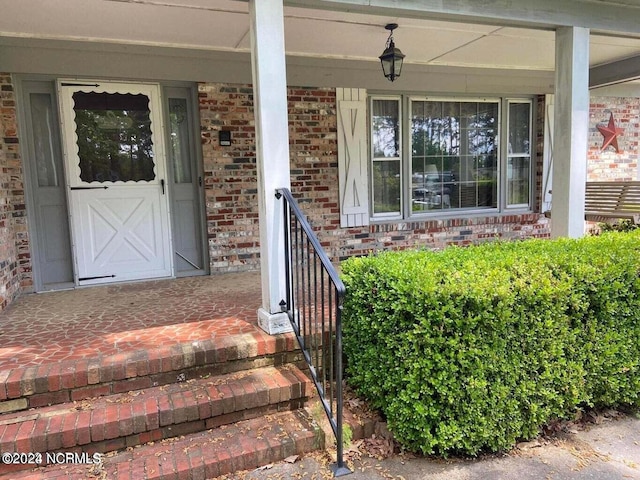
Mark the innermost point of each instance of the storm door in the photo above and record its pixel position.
(185, 184)
(115, 163)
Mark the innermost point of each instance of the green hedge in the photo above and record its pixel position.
(475, 348)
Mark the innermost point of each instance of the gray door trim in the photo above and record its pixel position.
(25, 86)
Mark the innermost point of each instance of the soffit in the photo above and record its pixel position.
(223, 25)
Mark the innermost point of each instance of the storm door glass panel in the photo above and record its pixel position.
(519, 154)
(114, 137)
(385, 137)
(44, 139)
(179, 140)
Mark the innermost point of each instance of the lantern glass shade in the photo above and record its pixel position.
(391, 60)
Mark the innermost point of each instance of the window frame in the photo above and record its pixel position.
(502, 126)
(453, 212)
(508, 101)
(386, 215)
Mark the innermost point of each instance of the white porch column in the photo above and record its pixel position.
(571, 129)
(272, 150)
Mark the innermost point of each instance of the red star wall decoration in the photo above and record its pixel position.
(610, 133)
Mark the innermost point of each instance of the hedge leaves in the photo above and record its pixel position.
(474, 349)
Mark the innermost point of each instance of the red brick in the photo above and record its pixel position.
(54, 433)
(151, 409)
(191, 405)
(69, 430)
(131, 384)
(165, 410)
(111, 422)
(83, 431)
(4, 374)
(42, 378)
(152, 466)
(97, 425)
(126, 419)
(67, 376)
(228, 401)
(90, 392)
(51, 398)
(39, 436)
(12, 383)
(179, 411)
(138, 417)
(203, 404)
(93, 373)
(225, 462)
(81, 376)
(8, 439)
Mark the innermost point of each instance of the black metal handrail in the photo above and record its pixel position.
(315, 295)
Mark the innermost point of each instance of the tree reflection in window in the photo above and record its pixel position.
(454, 154)
(114, 137)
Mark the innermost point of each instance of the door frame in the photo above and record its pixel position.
(68, 132)
(29, 169)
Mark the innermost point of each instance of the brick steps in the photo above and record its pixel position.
(195, 410)
(124, 420)
(62, 382)
(204, 455)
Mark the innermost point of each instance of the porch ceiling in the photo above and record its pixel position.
(223, 26)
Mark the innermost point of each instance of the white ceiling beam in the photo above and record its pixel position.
(615, 72)
(611, 16)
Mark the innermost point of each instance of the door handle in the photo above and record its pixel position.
(162, 185)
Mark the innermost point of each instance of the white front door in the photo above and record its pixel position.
(115, 163)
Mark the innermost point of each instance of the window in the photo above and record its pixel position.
(114, 137)
(386, 153)
(519, 154)
(453, 160)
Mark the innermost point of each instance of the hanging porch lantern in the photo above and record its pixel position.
(392, 57)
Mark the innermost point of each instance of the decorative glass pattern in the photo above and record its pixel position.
(114, 137)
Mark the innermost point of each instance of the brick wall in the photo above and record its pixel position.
(230, 177)
(15, 266)
(231, 185)
(607, 164)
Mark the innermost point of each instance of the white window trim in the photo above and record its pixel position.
(519, 206)
(502, 208)
(386, 216)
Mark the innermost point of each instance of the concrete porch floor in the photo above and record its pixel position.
(106, 321)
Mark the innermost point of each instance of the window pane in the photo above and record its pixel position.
(114, 137)
(385, 119)
(518, 169)
(432, 186)
(44, 138)
(519, 159)
(386, 186)
(519, 120)
(454, 155)
(179, 140)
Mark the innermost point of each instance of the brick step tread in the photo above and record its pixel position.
(204, 455)
(152, 414)
(60, 382)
